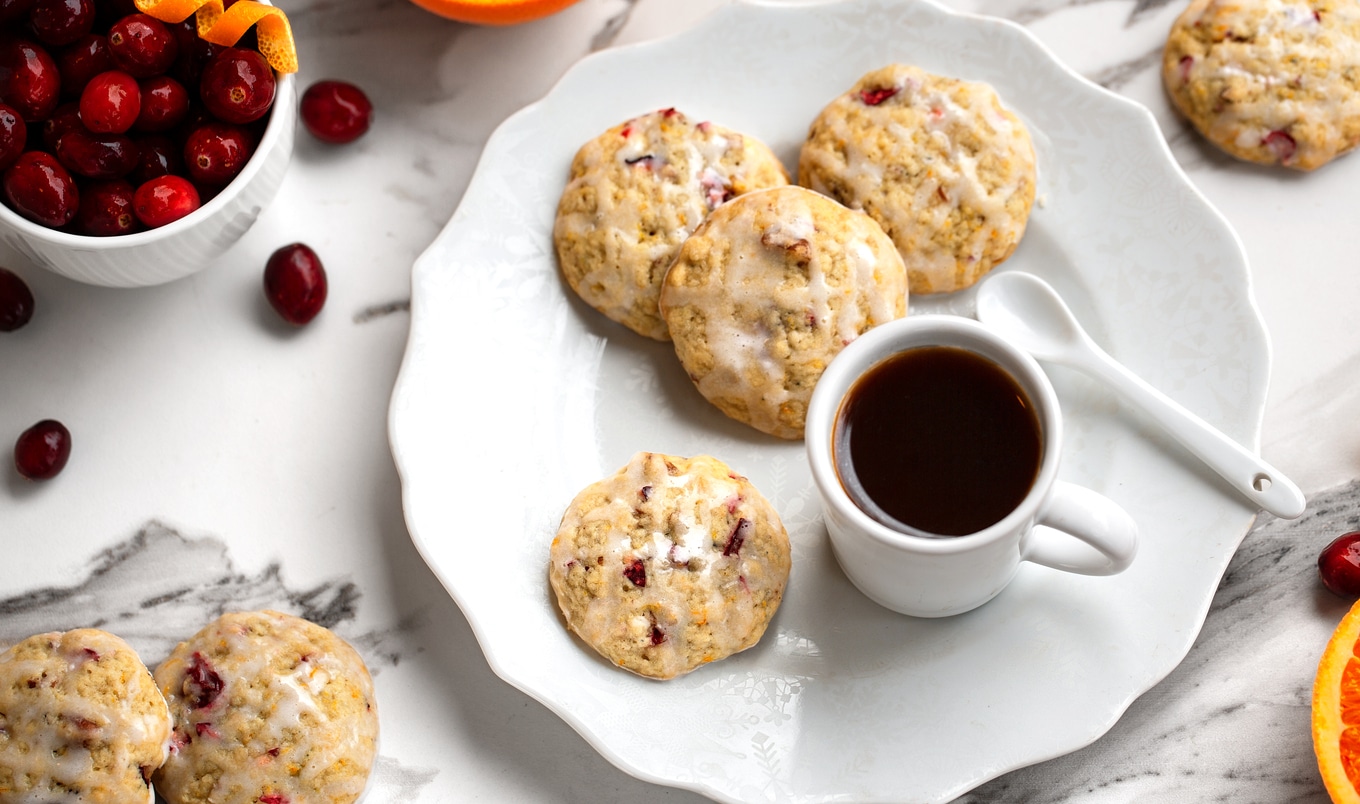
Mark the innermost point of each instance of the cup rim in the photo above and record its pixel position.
(889, 339)
(281, 115)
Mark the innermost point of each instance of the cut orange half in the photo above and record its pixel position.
(226, 26)
(1336, 711)
(494, 12)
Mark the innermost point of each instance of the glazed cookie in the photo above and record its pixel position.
(80, 720)
(635, 193)
(1269, 81)
(268, 709)
(770, 288)
(938, 162)
(669, 564)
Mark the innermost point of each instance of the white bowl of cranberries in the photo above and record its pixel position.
(132, 152)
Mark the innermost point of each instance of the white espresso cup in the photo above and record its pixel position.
(1056, 524)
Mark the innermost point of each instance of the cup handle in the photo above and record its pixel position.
(1090, 519)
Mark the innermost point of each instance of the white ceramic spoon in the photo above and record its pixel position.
(1028, 311)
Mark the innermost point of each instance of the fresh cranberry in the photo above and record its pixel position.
(16, 301)
(11, 10)
(42, 450)
(29, 80)
(106, 209)
(97, 156)
(875, 96)
(215, 152)
(157, 156)
(82, 60)
(142, 45)
(164, 199)
(1339, 565)
(61, 22)
(165, 104)
(335, 111)
(193, 53)
(110, 103)
(237, 85)
(65, 118)
(40, 189)
(202, 684)
(13, 135)
(295, 283)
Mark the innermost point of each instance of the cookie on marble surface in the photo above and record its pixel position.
(1275, 82)
(945, 169)
(767, 291)
(669, 564)
(268, 708)
(635, 193)
(80, 720)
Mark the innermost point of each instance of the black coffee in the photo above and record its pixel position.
(937, 438)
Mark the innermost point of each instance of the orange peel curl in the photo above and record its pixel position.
(226, 26)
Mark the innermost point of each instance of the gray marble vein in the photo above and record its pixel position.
(1234, 717)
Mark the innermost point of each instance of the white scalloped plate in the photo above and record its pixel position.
(513, 396)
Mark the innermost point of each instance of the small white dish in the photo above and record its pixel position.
(186, 246)
(513, 396)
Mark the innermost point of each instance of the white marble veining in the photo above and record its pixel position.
(222, 460)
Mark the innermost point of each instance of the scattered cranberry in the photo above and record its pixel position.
(164, 199)
(40, 189)
(13, 135)
(237, 85)
(110, 103)
(873, 97)
(106, 209)
(215, 152)
(142, 45)
(29, 79)
(16, 301)
(42, 450)
(97, 156)
(1339, 565)
(295, 283)
(336, 111)
(165, 104)
(273, 798)
(61, 22)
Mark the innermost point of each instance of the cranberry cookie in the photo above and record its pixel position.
(268, 709)
(945, 169)
(669, 564)
(635, 193)
(80, 720)
(1270, 81)
(767, 291)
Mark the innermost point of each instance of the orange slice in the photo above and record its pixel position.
(494, 12)
(1336, 711)
(226, 26)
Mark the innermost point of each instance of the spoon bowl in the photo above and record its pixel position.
(1030, 313)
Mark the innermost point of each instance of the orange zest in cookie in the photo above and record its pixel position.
(226, 26)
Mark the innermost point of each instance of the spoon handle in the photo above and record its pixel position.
(1258, 480)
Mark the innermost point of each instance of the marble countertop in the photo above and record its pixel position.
(223, 461)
